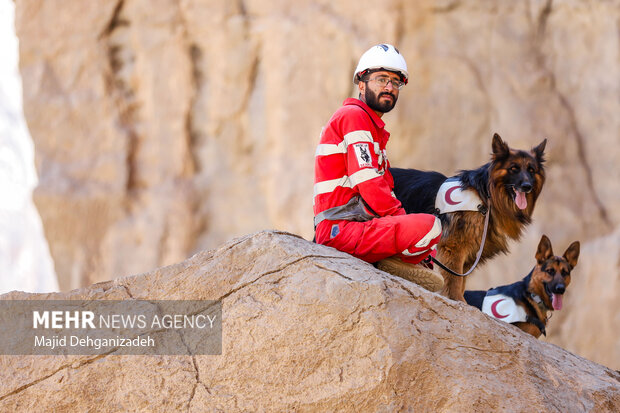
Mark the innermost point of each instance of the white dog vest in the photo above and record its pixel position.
(451, 198)
(504, 308)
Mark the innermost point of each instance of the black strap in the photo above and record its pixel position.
(537, 323)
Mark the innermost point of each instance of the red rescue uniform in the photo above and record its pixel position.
(351, 160)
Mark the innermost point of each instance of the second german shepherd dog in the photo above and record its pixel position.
(542, 290)
(508, 186)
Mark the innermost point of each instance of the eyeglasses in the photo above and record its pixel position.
(384, 80)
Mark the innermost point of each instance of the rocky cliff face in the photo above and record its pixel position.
(165, 127)
(309, 328)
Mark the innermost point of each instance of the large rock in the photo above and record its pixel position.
(165, 127)
(309, 328)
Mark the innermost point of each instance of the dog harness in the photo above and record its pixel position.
(505, 308)
(451, 197)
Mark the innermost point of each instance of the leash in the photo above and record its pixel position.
(482, 242)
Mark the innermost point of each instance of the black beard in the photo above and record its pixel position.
(372, 100)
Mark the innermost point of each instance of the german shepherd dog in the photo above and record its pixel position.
(508, 186)
(540, 291)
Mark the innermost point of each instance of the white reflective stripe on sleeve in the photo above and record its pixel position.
(358, 136)
(346, 182)
(326, 149)
(364, 175)
(328, 186)
(431, 235)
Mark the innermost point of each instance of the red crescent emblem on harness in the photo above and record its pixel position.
(494, 309)
(448, 193)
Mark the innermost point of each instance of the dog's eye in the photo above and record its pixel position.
(550, 271)
(514, 169)
(531, 170)
(565, 273)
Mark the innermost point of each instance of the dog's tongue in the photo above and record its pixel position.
(520, 199)
(556, 301)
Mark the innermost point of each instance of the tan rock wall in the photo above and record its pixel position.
(165, 127)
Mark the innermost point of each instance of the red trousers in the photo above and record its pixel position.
(411, 237)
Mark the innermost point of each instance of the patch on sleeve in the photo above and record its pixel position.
(335, 231)
(504, 308)
(362, 152)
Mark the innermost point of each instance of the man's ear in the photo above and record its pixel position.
(361, 87)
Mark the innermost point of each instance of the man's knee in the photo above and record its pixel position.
(423, 227)
(421, 236)
(432, 234)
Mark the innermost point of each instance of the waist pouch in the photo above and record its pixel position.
(354, 210)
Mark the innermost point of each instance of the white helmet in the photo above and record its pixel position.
(382, 56)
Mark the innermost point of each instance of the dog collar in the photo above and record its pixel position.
(543, 309)
(540, 303)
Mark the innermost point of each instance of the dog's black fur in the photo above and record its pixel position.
(415, 200)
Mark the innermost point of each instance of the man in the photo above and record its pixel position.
(355, 208)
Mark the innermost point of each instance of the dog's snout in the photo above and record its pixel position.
(559, 289)
(526, 187)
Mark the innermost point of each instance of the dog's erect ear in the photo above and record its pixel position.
(544, 251)
(571, 254)
(539, 151)
(500, 148)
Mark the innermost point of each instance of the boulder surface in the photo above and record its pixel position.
(309, 328)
